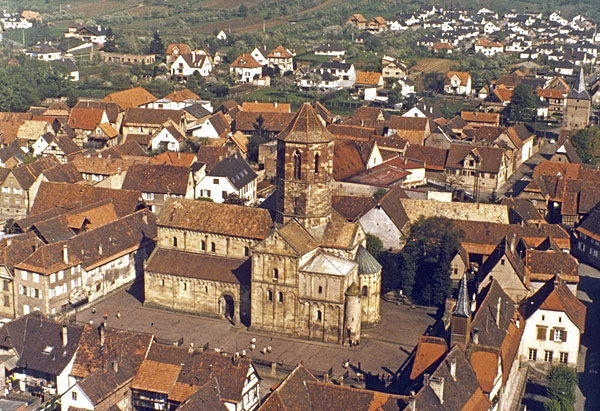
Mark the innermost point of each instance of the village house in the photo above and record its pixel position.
(282, 58)
(44, 51)
(169, 137)
(230, 176)
(174, 50)
(186, 65)
(476, 169)
(231, 384)
(392, 68)
(457, 83)
(246, 68)
(488, 48)
(159, 182)
(555, 320)
(214, 126)
(133, 97)
(85, 122)
(127, 58)
(147, 121)
(59, 276)
(358, 20)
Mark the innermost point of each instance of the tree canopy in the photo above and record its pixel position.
(562, 381)
(156, 46)
(523, 104)
(422, 269)
(587, 144)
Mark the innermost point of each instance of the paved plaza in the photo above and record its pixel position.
(382, 350)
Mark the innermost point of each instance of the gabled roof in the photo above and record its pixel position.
(182, 95)
(352, 208)
(280, 52)
(368, 78)
(261, 107)
(157, 178)
(39, 343)
(235, 169)
(428, 351)
(245, 60)
(554, 295)
(52, 195)
(225, 219)
(463, 76)
(347, 160)
(134, 97)
(150, 116)
(273, 122)
(200, 266)
(306, 128)
(490, 157)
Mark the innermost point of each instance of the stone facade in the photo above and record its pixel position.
(577, 113)
(303, 182)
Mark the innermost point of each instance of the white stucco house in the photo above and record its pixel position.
(554, 322)
(187, 64)
(232, 175)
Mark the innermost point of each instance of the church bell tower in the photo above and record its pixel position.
(304, 168)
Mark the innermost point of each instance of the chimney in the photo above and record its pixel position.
(436, 384)
(453, 368)
(65, 338)
(475, 336)
(115, 365)
(191, 348)
(473, 303)
(102, 333)
(412, 401)
(100, 249)
(65, 254)
(498, 311)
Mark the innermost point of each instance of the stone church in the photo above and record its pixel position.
(306, 274)
(578, 105)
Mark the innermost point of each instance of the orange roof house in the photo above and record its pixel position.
(134, 97)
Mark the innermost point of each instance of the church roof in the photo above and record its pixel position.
(323, 263)
(367, 264)
(305, 127)
(578, 90)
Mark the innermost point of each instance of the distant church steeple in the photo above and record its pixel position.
(461, 315)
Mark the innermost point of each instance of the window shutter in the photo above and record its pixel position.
(541, 333)
(564, 336)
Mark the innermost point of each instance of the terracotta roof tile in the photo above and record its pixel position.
(556, 296)
(305, 127)
(157, 178)
(273, 122)
(226, 219)
(352, 208)
(156, 377)
(429, 351)
(261, 107)
(485, 365)
(85, 118)
(134, 97)
(245, 60)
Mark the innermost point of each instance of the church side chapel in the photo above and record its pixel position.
(301, 270)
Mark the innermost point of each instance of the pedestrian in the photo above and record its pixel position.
(106, 316)
(118, 314)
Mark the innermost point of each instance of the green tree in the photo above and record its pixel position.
(260, 136)
(156, 46)
(427, 255)
(109, 45)
(243, 10)
(562, 381)
(587, 144)
(374, 245)
(523, 104)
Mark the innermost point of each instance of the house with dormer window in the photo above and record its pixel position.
(246, 68)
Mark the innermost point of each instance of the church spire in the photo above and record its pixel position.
(462, 308)
(579, 85)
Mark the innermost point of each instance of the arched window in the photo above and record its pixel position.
(174, 241)
(297, 164)
(280, 297)
(162, 283)
(317, 163)
(203, 245)
(246, 251)
(206, 288)
(275, 274)
(319, 316)
(320, 289)
(213, 247)
(365, 291)
(184, 286)
(269, 295)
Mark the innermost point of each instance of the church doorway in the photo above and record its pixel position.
(227, 307)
